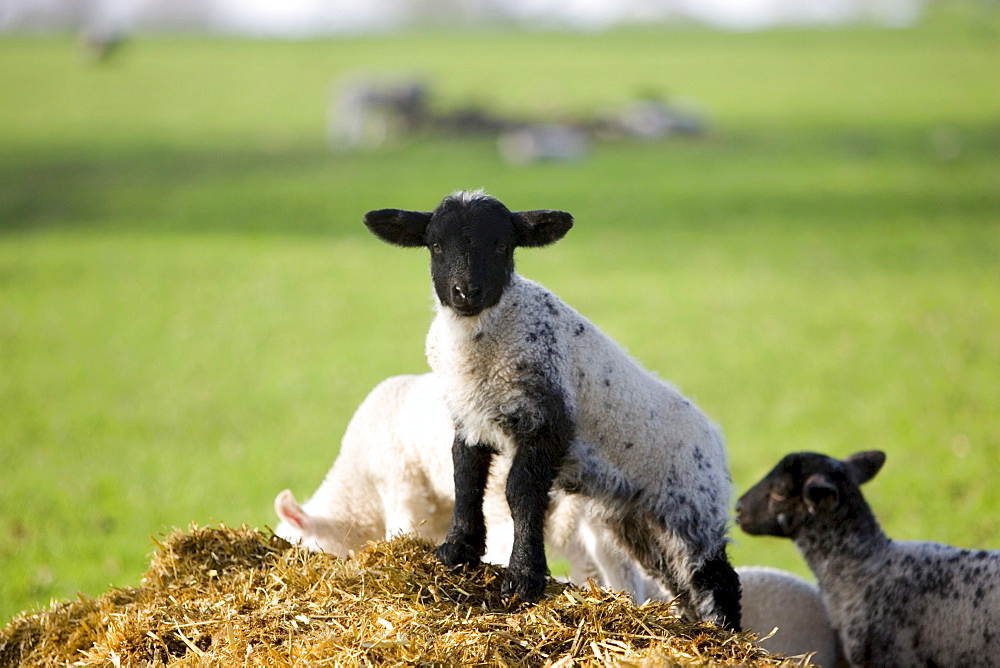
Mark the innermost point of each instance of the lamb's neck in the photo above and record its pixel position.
(474, 326)
(840, 542)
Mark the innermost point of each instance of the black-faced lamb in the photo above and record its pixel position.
(892, 603)
(527, 376)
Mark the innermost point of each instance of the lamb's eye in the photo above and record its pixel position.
(436, 248)
(501, 247)
(778, 495)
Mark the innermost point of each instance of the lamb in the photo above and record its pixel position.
(773, 598)
(385, 480)
(892, 603)
(526, 376)
(393, 476)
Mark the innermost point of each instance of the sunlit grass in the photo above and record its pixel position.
(190, 308)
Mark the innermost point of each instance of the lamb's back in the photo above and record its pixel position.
(919, 603)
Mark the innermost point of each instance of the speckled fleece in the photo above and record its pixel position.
(641, 448)
(892, 603)
(905, 603)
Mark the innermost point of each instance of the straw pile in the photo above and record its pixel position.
(219, 596)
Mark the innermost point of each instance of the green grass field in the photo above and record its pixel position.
(191, 309)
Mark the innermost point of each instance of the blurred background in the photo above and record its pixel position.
(305, 18)
(789, 209)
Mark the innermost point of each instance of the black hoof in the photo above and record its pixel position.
(527, 587)
(456, 555)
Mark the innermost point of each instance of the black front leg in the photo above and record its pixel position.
(466, 541)
(536, 463)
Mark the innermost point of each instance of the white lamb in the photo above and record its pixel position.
(528, 377)
(393, 475)
(385, 480)
(892, 603)
(773, 598)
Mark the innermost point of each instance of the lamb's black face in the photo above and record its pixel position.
(802, 486)
(775, 505)
(471, 238)
(472, 253)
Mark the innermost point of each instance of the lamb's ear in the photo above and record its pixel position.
(819, 492)
(540, 227)
(862, 466)
(289, 510)
(398, 227)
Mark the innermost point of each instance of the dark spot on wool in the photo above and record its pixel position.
(477, 336)
(629, 445)
(607, 382)
(580, 329)
(880, 643)
(543, 331)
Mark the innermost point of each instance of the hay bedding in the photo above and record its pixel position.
(238, 597)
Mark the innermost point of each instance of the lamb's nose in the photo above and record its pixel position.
(464, 295)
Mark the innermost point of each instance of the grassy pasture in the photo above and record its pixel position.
(190, 308)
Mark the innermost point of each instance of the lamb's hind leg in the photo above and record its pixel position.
(705, 583)
(717, 585)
